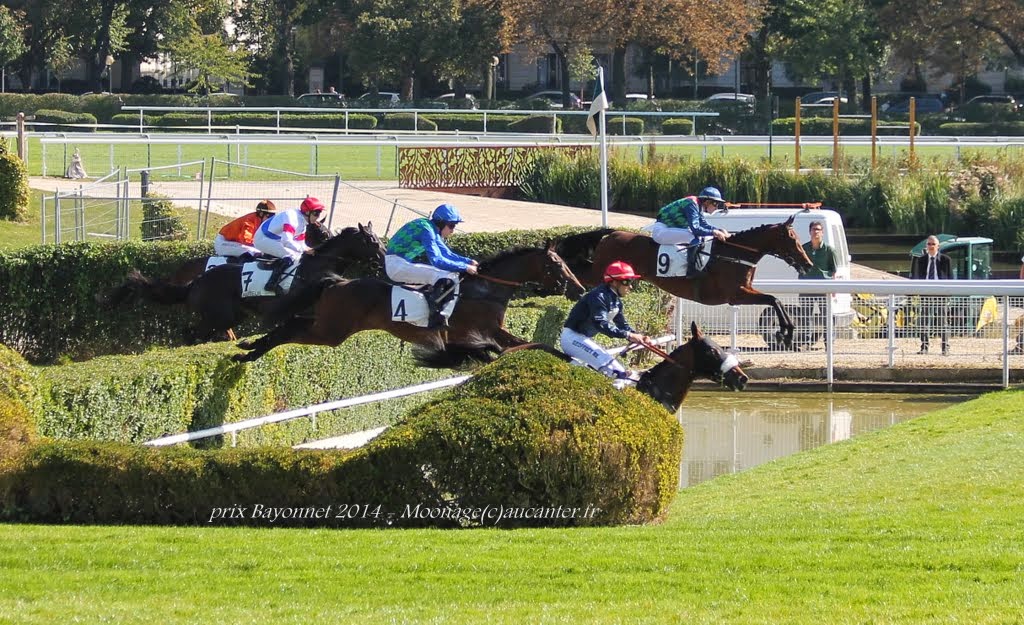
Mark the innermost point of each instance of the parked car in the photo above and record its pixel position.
(816, 97)
(322, 99)
(729, 96)
(1004, 102)
(382, 99)
(554, 98)
(831, 100)
(449, 99)
(921, 105)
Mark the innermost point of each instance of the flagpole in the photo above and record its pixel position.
(604, 158)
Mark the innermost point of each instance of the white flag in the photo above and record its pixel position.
(599, 104)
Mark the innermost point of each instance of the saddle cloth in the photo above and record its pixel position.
(678, 261)
(409, 304)
(256, 274)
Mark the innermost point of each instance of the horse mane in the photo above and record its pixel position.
(582, 243)
(502, 256)
(757, 229)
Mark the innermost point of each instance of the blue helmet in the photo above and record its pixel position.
(711, 193)
(446, 213)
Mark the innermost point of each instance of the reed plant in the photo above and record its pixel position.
(980, 195)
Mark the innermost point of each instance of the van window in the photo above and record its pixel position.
(839, 245)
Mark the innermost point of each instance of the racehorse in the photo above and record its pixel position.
(343, 307)
(216, 295)
(316, 234)
(727, 276)
(667, 382)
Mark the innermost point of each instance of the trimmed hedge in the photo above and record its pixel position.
(527, 433)
(677, 126)
(14, 192)
(65, 119)
(542, 124)
(132, 120)
(406, 121)
(20, 401)
(982, 129)
(356, 121)
(473, 123)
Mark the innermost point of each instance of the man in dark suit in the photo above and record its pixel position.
(932, 265)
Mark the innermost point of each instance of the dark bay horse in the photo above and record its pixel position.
(316, 234)
(343, 307)
(667, 382)
(727, 276)
(216, 295)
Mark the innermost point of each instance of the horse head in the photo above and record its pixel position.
(779, 240)
(355, 244)
(541, 268)
(317, 233)
(669, 381)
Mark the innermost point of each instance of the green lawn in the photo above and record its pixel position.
(919, 523)
(378, 163)
(15, 235)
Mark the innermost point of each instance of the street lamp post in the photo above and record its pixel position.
(110, 73)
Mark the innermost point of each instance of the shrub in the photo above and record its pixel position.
(69, 122)
(979, 129)
(132, 121)
(14, 193)
(20, 402)
(677, 126)
(822, 126)
(407, 121)
(160, 221)
(537, 124)
(622, 125)
(356, 121)
(528, 433)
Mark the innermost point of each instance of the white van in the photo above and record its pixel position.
(717, 319)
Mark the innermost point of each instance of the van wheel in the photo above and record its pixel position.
(766, 327)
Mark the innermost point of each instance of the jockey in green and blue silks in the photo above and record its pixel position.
(418, 254)
(683, 221)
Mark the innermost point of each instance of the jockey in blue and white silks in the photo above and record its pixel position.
(600, 312)
(418, 254)
(284, 235)
(683, 221)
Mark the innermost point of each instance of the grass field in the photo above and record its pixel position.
(379, 163)
(919, 523)
(15, 235)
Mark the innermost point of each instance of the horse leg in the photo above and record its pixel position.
(750, 296)
(284, 333)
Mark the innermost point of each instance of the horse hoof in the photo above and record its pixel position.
(246, 345)
(241, 358)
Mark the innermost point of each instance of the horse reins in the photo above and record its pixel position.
(498, 280)
(730, 361)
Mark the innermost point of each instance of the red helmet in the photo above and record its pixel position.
(620, 271)
(311, 204)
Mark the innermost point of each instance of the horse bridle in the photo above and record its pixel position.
(550, 271)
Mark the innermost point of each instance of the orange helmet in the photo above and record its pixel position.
(620, 270)
(311, 204)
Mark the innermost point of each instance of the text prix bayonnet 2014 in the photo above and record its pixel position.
(485, 515)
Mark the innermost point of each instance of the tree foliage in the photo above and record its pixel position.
(12, 44)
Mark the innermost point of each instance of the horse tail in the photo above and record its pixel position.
(117, 296)
(544, 347)
(295, 302)
(158, 291)
(474, 349)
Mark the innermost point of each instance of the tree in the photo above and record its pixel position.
(268, 28)
(716, 31)
(61, 58)
(402, 41)
(838, 38)
(212, 59)
(12, 33)
(542, 25)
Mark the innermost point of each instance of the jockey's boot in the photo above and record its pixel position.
(276, 273)
(438, 296)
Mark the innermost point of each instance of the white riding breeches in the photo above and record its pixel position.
(667, 236)
(223, 247)
(274, 248)
(588, 352)
(401, 270)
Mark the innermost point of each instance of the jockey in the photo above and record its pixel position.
(600, 311)
(284, 237)
(418, 254)
(235, 239)
(683, 221)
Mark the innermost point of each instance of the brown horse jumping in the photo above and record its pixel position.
(216, 295)
(343, 307)
(727, 276)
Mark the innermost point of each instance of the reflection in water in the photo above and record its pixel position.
(730, 432)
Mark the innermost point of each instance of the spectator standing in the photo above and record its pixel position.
(932, 265)
(1019, 349)
(823, 257)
